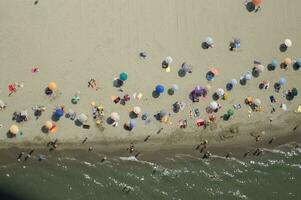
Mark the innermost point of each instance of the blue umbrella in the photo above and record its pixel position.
(133, 123)
(274, 62)
(282, 81)
(159, 89)
(59, 112)
(233, 81)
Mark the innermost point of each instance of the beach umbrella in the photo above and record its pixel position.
(233, 81)
(213, 105)
(52, 86)
(162, 113)
(168, 60)
(298, 61)
(198, 90)
(282, 81)
(230, 112)
(2, 104)
(288, 42)
(137, 110)
(256, 2)
(59, 112)
(82, 118)
(214, 71)
(260, 68)
(174, 87)
(159, 89)
(209, 41)
(208, 87)
(14, 129)
(186, 67)
(220, 92)
(294, 92)
(133, 123)
(257, 102)
(274, 62)
(48, 124)
(248, 76)
(287, 61)
(115, 116)
(123, 76)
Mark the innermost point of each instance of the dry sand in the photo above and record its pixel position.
(73, 41)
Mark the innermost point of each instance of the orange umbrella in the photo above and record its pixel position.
(256, 2)
(287, 61)
(214, 71)
(52, 86)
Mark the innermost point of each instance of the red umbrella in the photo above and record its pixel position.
(11, 88)
(256, 2)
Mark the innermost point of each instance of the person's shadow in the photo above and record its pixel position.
(250, 6)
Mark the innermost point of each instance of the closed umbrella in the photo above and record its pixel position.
(159, 89)
(288, 42)
(287, 61)
(115, 116)
(82, 118)
(137, 110)
(282, 81)
(52, 86)
(59, 112)
(14, 129)
(123, 76)
(257, 102)
(233, 81)
(133, 123)
(168, 60)
(187, 67)
(48, 124)
(209, 41)
(174, 87)
(220, 92)
(230, 112)
(213, 105)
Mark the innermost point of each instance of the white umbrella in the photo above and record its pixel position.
(248, 76)
(82, 118)
(209, 41)
(233, 81)
(220, 92)
(168, 59)
(174, 87)
(2, 104)
(213, 105)
(115, 116)
(137, 110)
(288, 42)
(257, 102)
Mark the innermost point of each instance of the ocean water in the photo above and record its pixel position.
(72, 175)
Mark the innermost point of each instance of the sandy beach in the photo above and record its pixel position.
(71, 42)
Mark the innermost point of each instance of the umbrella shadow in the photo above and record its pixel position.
(78, 123)
(255, 73)
(283, 65)
(260, 86)
(110, 121)
(44, 129)
(226, 117)
(243, 81)
(164, 64)
(289, 97)
(181, 73)
(271, 67)
(296, 66)
(170, 92)
(282, 47)
(277, 87)
(229, 86)
(205, 45)
(155, 94)
(215, 97)
(55, 118)
(117, 83)
(133, 115)
(250, 6)
(48, 92)
(10, 135)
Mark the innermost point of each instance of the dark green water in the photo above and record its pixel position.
(274, 175)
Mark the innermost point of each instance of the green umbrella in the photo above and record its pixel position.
(230, 112)
(123, 76)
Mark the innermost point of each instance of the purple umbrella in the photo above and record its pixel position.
(199, 90)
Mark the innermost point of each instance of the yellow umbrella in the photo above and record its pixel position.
(52, 86)
(14, 129)
(288, 61)
(48, 124)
